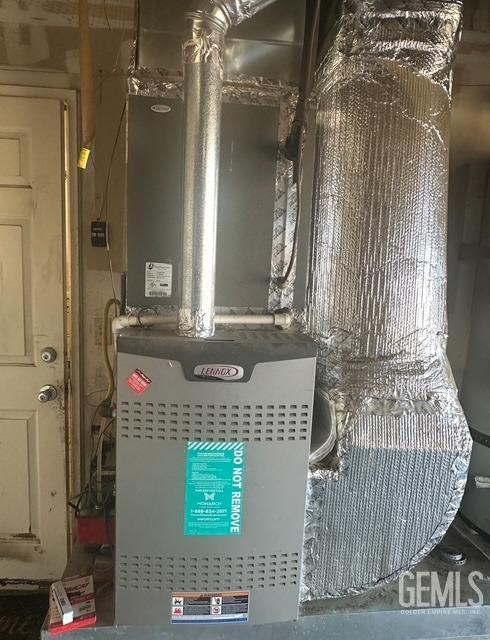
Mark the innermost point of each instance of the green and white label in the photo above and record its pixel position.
(215, 476)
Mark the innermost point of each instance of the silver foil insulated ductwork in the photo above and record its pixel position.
(388, 491)
(231, 12)
(203, 81)
(240, 10)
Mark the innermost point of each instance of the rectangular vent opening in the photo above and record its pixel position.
(246, 423)
(208, 573)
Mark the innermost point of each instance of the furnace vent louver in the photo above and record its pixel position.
(216, 422)
(213, 573)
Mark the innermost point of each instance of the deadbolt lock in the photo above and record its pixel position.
(49, 354)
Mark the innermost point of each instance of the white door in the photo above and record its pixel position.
(33, 535)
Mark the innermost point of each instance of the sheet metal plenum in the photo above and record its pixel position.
(377, 297)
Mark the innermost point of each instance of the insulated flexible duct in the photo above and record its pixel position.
(207, 24)
(389, 490)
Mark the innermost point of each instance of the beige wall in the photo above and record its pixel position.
(54, 49)
(97, 282)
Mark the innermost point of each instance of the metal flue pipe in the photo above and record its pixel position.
(203, 46)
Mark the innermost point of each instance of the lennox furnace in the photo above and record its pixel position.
(208, 527)
(211, 476)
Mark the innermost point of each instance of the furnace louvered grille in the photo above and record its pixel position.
(214, 422)
(209, 573)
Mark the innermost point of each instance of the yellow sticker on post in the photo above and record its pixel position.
(83, 157)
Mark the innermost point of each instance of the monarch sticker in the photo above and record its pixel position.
(138, 381)
(227, 606)
(215, 477)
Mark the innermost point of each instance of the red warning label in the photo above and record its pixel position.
(138, 381)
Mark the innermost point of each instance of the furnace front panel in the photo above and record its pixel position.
(167, 418)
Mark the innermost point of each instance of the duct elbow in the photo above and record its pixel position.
(240, 10)
(210, 12)
(227, 13)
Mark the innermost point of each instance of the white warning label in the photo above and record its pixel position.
(158, 280)
(228, 606)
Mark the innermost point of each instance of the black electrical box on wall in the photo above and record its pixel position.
(98, 233)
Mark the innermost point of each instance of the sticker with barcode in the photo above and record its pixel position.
(197, 607)
(158, 280)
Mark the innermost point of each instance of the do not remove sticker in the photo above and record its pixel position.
(215, 477)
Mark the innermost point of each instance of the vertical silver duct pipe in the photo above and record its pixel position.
(207, 24)
(203, 79)
(377, 300)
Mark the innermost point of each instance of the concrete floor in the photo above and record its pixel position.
(375, 614)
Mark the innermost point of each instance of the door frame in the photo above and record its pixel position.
(26, 83)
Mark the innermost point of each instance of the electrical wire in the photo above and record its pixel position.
(101, 435)
(93, 393)
(294, 250)
(96, 454)
(106, 16)
(96, 497)
(79, 499)
(97, 409)
(111, 269)
(112, 302)
(105, 198)
(104, 203)
(105, 345)
(295, 143)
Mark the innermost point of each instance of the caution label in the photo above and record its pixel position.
(227, 606)
(138, 381)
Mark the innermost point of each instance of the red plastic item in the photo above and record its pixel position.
(80, 624)
(95, 530)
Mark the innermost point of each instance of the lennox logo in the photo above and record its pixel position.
(219, 371)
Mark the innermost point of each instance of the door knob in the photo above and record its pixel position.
(47, 393)
(49, 354)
